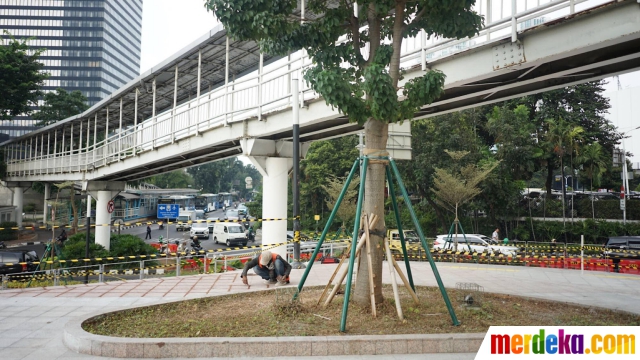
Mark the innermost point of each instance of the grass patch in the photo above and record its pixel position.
(271, 313)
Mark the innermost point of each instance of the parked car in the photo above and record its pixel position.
(199, 229)
(229, 234)
(211, 221)
(475, 243)
(410, 236)
(622, 247)
(20, 260)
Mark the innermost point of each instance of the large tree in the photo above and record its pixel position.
(432, 137)
(21, 76)
(334, 34)
(325, 158)
(60, 105)
(225, 175)
(177, 179)
(579, 105)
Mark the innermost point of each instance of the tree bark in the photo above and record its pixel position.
(549, 177)
(74, 208)
(376, 133)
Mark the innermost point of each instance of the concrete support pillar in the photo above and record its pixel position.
(274, 203)
(45, 211)
(18, 203)
(103, 217)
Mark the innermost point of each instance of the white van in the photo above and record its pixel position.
(229, 234)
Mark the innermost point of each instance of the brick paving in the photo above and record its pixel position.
(32, 320)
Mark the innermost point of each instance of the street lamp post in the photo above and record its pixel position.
(625, 180)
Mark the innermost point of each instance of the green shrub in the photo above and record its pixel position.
(608, 209)
(8, 233)
(74, 247)
(122, 245)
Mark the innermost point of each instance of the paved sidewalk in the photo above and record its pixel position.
(32, 320)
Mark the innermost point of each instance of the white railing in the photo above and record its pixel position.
(252, 96)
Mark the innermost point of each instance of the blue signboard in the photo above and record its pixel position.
(168, 211)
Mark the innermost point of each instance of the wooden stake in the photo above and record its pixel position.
(372, 285)
(404, 280)
(335, 272)
(344, 274)
(396, 295)
(357, 262)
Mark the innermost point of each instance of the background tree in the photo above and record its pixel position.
(457, 186)
(60, 105)
(563, 136)
(21, 77)
(224, 175)
(325, 158)
(580, 105)
(333, 187)
(178, 179)
(367, 90)
(594, 164)
(431, 137)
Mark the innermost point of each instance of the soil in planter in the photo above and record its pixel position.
(271, 313)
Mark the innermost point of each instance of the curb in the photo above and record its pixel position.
(80, 341)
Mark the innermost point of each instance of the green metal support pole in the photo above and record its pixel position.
(400, 232)
(326, 227)
(424, 243)
(465, 239)
(352, 258)
(456, 223)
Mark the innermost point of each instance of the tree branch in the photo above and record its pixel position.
(398, 30)
(355, 28)
(374, 33)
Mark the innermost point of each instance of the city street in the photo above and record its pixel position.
(170, 233)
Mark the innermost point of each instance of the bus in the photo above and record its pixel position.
(201, 203)
(226, 199)
(207, 202)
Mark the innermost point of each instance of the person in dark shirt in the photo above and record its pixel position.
(271, 267)
(148, 232)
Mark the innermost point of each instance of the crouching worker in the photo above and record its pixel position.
(271, 267)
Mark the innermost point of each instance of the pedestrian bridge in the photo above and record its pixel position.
(220, 98)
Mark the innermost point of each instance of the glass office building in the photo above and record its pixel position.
(91, 45)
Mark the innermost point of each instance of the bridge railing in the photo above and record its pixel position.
(259, 93)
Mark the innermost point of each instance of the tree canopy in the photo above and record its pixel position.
(225, 175)
(21, 77)
(333, 34)
(60, 105)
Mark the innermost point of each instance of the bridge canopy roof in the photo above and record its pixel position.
(243, 58)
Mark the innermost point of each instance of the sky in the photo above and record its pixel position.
(170, 25)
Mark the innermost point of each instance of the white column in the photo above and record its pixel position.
(274, 203)
(45, 212)
(18, 203)
(103, 233)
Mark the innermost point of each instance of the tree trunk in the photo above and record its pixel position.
(549, 181)
(376, 133)
(74, 208)
(438, 212)
(564, 193)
